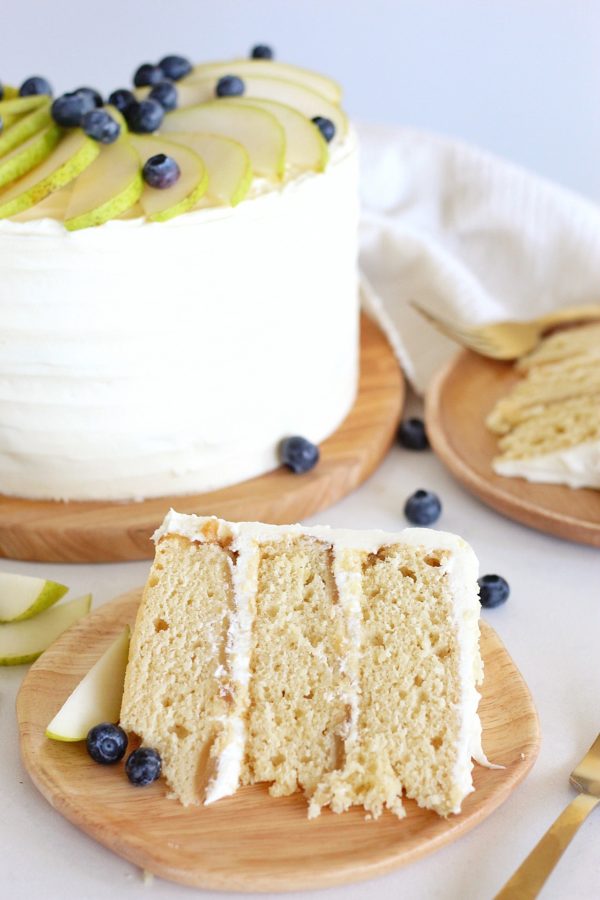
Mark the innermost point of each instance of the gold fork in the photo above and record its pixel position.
(531, 875)
(508, 340)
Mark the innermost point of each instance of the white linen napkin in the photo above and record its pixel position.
(470, 236)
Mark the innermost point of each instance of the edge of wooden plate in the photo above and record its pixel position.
(459, 437)
(251, 841)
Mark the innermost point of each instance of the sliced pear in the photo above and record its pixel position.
(227, 163)
(306, 148)
(29, 154)
(24, 128)
(10, 92)
(68, 159)
(21, 105)
(22, 642)
(110, 185)
(258, 131)
(159, 205)
(271, 69)
(97, 697)
(22, 596)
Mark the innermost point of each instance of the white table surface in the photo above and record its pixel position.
(551, 626)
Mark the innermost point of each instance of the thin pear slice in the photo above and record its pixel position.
(10, 92)
(70, 157)
(21, 105)
(258, 131)
(97, 697)
(22, 596)
(110, 185)
(306, 148)
(22, 642)
(29, 154)
(227, 163)
(327, 87)
(24, 128)
(160, 204)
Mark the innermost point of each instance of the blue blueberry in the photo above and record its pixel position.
(1, 91)
(147, 73)
(493, 590)
(122, 98)
(262, 51)
(423, 508)
(299, 454)
(230, 86)
(106, 743)
(145, 117)
(100, 126)
(160, 171)
(326, 127)
(94, 96)
(1, 125)
(164, 93)
(143, 766)
(175, 67)
(412, 434)
(35, 85)
(69, 109)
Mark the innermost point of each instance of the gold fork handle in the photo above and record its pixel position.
(531, 875)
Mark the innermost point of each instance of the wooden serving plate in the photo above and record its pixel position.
(49, 531)
(251, 841)
(457, 404)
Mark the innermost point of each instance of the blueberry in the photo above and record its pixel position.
(423, 508)
(298, 454)
(94, 96)
(69, 109)
(143, 766)
(148, 74)
(106, 743)
(161, 171)
(122, 98)
(262, 51)
(326, 127)
(100, 126)
(412, 434)
(145, 117)
(493, 590)
(1, 91)
(164, 93)
(230, 86)
(35, 85)
(175, 67)
(1, 125)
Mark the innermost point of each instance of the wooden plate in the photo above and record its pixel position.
(108, 531)
(252, 842)
(457, 405)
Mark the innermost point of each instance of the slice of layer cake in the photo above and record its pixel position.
(340, 663)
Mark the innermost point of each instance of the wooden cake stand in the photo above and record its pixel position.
(104, 531)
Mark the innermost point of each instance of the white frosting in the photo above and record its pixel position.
(577, 466)
(144, 359)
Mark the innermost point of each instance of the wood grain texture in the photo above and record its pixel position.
(108, 532)
(457, 404)
(252, 842)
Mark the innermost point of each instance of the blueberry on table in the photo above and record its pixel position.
(143, 766)
(160, 171)
(106, 743)
(325, 126)
(122, 98)
(145, 117)
(35, 85)
(493, 590)
(146, 74)
(164, 93)
(412, 434)
(262, 51)
(100, 126)
(175, 67)
(423, 508)
(94, 96)
(230, 86)
(299, 454)
(69, 109)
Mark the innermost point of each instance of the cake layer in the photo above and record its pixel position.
(143, 359)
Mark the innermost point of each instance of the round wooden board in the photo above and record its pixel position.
(251, 841)
(457, 404)
(108, 532)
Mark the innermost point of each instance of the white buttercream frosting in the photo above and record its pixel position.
(144, 359)
(577, 466)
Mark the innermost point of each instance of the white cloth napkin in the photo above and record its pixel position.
(468, 235)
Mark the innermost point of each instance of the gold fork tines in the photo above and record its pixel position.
(532, 874)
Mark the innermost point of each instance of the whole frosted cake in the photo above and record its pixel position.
(164, 341)
(340, 663)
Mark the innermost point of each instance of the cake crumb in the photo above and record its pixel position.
(147, 878)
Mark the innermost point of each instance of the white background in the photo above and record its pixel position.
(522, 79)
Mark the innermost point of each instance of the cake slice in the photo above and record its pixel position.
(340, 663)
